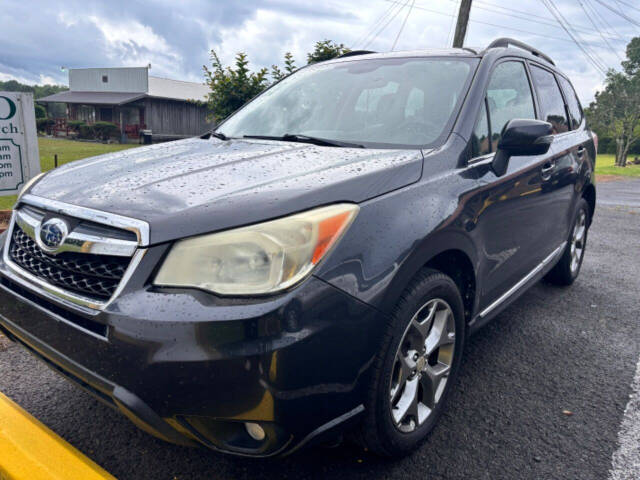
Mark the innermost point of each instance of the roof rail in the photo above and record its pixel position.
(506, 42)
(353, 53)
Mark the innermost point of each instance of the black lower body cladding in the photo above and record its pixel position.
(189, 368)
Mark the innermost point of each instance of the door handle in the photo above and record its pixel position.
(547, 169)
(581, 151)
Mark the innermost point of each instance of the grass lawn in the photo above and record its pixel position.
(605, 165)
(68, 151)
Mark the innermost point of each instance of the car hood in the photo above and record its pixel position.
(200, 185)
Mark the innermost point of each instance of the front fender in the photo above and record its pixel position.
(395, 235)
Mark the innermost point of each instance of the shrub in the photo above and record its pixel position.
(86, 132)
(232, 87)
(105, 130)
(326, 50)
(75, 124)
(45, 124)
(41, 112)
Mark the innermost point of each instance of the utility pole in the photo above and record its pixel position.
(461, 25)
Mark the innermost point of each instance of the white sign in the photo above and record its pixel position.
(19, 159)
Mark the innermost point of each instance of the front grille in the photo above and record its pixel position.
(93, 276)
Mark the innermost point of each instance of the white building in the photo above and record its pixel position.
(134, 100)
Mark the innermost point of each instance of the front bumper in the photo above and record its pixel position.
(190, 367)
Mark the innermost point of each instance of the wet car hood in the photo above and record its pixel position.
(198, 185)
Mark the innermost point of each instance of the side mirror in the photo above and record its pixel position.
(521, 137)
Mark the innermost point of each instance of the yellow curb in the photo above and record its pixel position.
(30, 451)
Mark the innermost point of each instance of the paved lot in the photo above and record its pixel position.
(554, 350)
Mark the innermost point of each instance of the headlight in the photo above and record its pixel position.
(262, 258)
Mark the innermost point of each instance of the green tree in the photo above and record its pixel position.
(38, 91)
(326, 50)
(289, 67)
(232, 87)
(632, 64)
(40, 111)
(615, 113)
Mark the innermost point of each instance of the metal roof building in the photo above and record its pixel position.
(134, 100)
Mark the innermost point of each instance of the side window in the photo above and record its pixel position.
(480, 140)
(508, 96)
(551, 102)
(575, 110)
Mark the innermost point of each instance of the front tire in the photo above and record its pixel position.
(416, 366)
(568, 267)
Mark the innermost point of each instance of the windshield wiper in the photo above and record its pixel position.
(219, 135)
(297, 137)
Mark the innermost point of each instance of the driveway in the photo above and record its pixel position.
(625, 191)
(542, 393)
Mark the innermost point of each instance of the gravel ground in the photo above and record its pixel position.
(542, 393)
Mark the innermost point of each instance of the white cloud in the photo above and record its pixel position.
(39, 36)
(5, 77)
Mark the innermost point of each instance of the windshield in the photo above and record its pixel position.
(383, 102)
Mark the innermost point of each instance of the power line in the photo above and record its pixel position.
(375, 25)
(560, 18)
(376, 30)
(593, 54)
(562, 22)
(628, 5)
(520, 30)
(607, 25)
(619, 13)
(387, 24)
(618, 3)
(402, 27)
(453, 21)
(526, 16)
(595, 25)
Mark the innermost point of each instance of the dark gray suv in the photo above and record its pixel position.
(316, 263)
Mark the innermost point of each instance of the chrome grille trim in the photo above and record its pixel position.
(96, 276)
(76, 241)
(139, 227)
(32, 282)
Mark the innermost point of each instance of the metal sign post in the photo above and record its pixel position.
(19, 159)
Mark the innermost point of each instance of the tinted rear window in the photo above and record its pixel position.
(575, 110)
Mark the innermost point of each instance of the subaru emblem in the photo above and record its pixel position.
(52, 234)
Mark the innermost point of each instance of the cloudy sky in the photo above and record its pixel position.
(41, 36)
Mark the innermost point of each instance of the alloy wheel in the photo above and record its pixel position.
(578, 241)
(422, 365)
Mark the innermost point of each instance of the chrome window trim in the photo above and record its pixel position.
(75, 241)
(30, 281)
(481, 160)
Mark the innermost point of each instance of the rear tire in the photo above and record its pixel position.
(568, 267)
(416, 366)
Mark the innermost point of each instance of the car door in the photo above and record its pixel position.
(558, 181)
(581, 145)
(511, 225)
